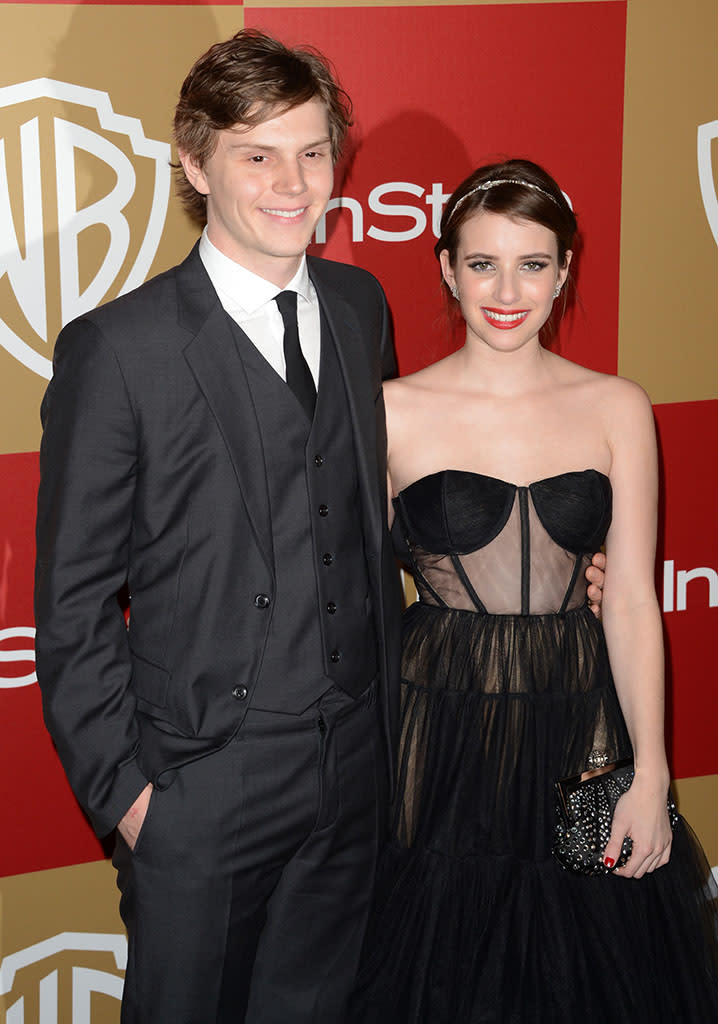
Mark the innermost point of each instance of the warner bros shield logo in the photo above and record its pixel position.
(707, 135)
(57, 978)
(83, 201)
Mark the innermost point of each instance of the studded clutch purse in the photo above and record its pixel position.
(584, 812)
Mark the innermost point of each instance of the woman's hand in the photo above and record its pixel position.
(642, 814)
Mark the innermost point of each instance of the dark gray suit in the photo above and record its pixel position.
(155, 476)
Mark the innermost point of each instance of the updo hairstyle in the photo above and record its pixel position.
(512, 199)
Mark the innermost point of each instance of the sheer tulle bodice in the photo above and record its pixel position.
(486, 545)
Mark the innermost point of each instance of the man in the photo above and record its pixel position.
(239, 734)
(250, 704)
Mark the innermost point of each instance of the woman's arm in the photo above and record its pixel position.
(391, 429)
(632, 624)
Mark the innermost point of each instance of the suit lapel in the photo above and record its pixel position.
(218, 369)
(354, 365)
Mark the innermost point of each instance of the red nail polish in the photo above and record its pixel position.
(609, 862)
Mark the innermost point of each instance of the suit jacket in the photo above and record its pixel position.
(152, 478)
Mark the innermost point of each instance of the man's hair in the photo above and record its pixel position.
(246, 80)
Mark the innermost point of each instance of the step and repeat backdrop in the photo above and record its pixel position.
(618, 99)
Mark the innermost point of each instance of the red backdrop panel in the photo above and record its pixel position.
(687, 539)
(439, 90)
(43, 826)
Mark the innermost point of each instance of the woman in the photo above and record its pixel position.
(503, 489)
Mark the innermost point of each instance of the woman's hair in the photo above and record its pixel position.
(246, 80)
(516, 188)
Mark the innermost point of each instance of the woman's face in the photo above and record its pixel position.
(506, 272)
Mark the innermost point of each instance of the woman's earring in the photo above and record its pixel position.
(557, 291)
(455, 291)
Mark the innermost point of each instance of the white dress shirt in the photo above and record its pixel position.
(249, 300)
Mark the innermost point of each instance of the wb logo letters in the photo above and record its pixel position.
(83, 201)
(56, 979)
(707, 135)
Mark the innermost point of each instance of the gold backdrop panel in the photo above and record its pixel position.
(669, 255)
(63, 950)
(697, 800)
(87, 206)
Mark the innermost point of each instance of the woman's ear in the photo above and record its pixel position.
(563, 272)
(447, 270)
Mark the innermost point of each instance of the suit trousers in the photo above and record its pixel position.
(246, 896)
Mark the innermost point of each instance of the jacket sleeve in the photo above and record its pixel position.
(388, 355)
(88, 471)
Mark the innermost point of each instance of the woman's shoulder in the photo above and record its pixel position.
(413, 403)
(621, 395)
(418, 386)
(608, 388)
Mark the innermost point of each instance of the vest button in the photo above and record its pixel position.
(262, 601)
(328, 558)
(318, 460)
(331, 607)
(240, 692)
(335, 656)
(323, 510)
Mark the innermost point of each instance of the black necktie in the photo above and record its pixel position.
(299, 377)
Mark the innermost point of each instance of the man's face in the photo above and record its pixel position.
(266, 189)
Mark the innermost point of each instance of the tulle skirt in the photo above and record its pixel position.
(473, 920)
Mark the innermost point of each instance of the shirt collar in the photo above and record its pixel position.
(243, 289)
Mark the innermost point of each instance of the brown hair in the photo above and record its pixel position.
(246, 80)
(544, 204)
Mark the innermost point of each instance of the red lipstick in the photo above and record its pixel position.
(504, 319)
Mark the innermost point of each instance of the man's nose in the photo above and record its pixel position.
(291, 178)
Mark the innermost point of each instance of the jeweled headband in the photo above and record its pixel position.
(486, 185)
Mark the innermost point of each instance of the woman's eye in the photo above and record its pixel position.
(481, 265)
(535, 265)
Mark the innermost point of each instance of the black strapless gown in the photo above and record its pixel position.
(506, 688)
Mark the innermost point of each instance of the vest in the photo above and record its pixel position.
(322, 628)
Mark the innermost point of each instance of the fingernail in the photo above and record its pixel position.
(609, 862)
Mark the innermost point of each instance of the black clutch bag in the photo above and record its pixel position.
(584, 811)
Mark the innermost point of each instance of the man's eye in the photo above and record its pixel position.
(258, 159)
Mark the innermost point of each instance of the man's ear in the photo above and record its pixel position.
(193, 172)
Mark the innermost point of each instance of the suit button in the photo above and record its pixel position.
(240, 692)
(335, 656)
(323, 510)
(318, 460)
(331, 607)
(262, 601)
(328, 558)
